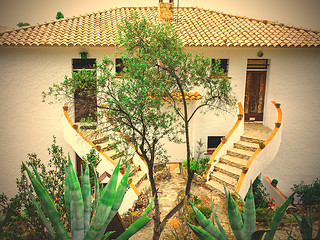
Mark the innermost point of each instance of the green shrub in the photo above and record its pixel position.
(264, 215)
(308, 194)
(259, 194)
(59, 15)
(190, 215)
(21, 220)
(198, 166)
(22, 24)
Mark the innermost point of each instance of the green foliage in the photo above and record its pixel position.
(59, 15)
(264, 215)
(308, 193)
(260, 194)
(305, 225)
(22, 219)
(19, 210)
(93, 160)
(78, 206)
(198, 166)
(243, 226)
(22, 24)
(190, 214)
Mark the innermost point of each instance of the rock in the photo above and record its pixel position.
(162, 172)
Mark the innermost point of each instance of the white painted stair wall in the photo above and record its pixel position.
(82, 148)
(264, 158)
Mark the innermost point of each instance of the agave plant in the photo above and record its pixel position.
(78, 205)
(305, 225)
(243, 226)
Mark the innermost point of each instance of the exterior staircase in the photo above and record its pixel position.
(101, 140)
(230, 166)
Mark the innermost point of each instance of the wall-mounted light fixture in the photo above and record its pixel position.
(84, 55)
(260, 54)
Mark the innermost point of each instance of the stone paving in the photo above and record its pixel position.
(168, 193)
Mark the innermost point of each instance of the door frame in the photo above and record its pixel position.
(256, 65)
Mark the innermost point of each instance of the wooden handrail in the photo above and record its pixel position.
(77, 129)
(224, 140)
(261, 146)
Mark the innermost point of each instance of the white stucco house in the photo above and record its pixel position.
(282, 61)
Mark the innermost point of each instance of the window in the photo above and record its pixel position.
(85, 100)
(119, 65)
(213, 143)
(78, 64)
(257, 64)
(224, 64)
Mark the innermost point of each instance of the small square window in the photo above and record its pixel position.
(213, 143)
(119, 65)
(224, 64)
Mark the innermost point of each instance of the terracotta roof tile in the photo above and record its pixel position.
(188, 96)
(196, 27)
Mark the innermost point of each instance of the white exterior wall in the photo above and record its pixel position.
(27, 124)
(294, 82)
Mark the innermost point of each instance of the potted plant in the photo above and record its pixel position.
(274, 182)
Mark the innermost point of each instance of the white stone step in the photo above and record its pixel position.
(228, 170)
(233, 161)
(138, 177)
(249, 146)
(240, 153)
(107, 146)
(251, 139)
(223, 179)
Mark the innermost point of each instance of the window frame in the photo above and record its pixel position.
(224, 64)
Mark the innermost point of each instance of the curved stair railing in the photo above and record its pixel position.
(82, 146)
(226, 142)
(137, 158)
(261, 159)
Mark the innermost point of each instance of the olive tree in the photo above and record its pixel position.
(140, 103)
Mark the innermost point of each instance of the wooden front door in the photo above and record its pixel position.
(254, 96)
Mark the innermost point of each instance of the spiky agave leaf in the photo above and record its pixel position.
(304, 226)
(103, 209)
(235, 218)
(175, 235)
(67, 193)
(43, 218)
(105, 237)
(216, 218)
(121, 191)
(279, 213)
(48, 206)
(206, 224)
(249, 214)
(257, 235)
(86, 195)
(96, 189)
(76, 204)
(201, 233)
(137, 225)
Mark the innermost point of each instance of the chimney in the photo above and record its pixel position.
(165, 11)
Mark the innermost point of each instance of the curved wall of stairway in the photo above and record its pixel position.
(82, 146)
(262, 157)
(232, 137)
